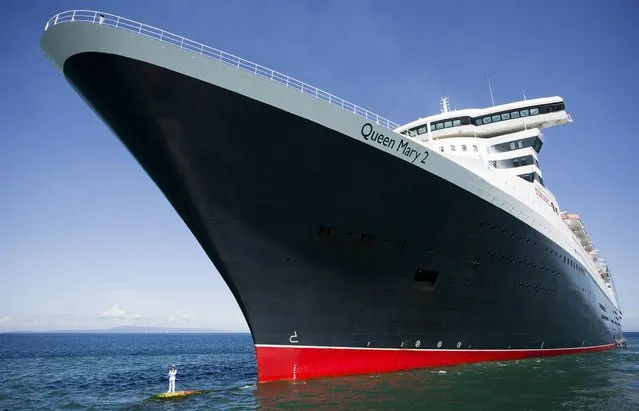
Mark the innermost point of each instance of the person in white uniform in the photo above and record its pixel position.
(172, 372)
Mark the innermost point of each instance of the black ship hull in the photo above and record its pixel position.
(343, 259)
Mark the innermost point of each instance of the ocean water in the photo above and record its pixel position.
(123, 371)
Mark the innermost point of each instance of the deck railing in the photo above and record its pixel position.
(96, 17)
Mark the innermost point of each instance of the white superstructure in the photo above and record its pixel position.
(502, 144)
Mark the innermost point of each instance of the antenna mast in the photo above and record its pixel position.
(444, 104)
(491, 90)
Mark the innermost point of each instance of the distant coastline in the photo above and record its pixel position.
(130, 329)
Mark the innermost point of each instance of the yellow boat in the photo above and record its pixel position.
(176, 394)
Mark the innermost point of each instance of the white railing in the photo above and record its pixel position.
(96, 17)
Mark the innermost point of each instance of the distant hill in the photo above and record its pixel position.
(135, 329)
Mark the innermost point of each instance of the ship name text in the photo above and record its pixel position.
(403, 147)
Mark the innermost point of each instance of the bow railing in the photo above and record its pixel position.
(96, 17)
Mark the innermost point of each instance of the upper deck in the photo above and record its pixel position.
(101, 18)
(491, 121)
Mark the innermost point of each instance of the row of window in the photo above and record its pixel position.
(577, 267)
(493, 118)
(364, 238)
(568, 261)
(534, 142)
(463, 148)
(537, 289)
(514, 162)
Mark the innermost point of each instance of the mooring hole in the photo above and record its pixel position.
(428, 277)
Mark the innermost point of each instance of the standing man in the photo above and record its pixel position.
(172, 372)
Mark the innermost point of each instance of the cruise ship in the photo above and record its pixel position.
(352, 244)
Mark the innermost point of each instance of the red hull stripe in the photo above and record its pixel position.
(300, 363)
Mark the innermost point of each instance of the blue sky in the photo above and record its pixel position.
(88, 241)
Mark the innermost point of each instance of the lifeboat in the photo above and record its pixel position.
(574, 222)
(604, 271)
(594, 254)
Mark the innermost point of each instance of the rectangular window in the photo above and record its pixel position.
(496, 118)
(515, 162)
(448, 124)
(475, 148)
(520, 144)
(456, 123)
(512, 145)
(514, 114)
(464, 147)
(523, 161)
(534, 111)
(478, 121)
(505, 116)
(524, 113)
(440, 126)
(528, 177)
(412, 133)
(421, 130)
(487, 120)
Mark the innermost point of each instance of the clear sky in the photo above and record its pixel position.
(88, 241)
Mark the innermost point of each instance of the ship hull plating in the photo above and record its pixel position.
(332, 245)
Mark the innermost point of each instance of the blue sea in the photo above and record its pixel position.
(124, 371)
